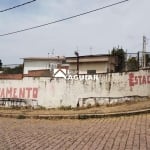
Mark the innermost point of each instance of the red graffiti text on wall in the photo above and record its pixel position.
(22, 93)
(138, 80)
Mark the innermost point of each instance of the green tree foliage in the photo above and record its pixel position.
(132, 64)
(120, 62)
(147, 60)
(1, 64)
(16, 70)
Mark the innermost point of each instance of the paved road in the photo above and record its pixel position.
(123, 133)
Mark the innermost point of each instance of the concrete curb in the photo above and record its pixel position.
(74, 116)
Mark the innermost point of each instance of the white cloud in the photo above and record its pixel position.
(122, 25)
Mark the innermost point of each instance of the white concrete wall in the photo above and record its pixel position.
(37, 65)
(58, 91)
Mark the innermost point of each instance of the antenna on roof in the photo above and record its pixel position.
(91, 48)
(51, 53)
(53, 50)
(77, 49)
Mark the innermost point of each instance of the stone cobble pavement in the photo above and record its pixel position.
(120, 133)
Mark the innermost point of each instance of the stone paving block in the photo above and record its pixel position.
(124, 133)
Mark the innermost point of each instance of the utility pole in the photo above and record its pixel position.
(144, 51)
(126, 60)
(77, 55)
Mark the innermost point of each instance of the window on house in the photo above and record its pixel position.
(91, 71)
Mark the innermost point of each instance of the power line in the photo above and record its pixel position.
(7, 9)
(61, 20)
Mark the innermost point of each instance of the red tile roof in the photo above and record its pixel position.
(38, 73)
(11, 76)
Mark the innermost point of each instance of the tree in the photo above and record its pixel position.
(120, 62)
(147, 60)
(132, 64)
(1, 64)
(16, 70)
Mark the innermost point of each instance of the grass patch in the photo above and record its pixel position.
(21, 117)
(65, 108)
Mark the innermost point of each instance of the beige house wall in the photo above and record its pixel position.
(102, 64)
(98, 66)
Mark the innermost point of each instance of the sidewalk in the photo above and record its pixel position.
(128, 108)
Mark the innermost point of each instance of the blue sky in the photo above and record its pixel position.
(95, 33)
